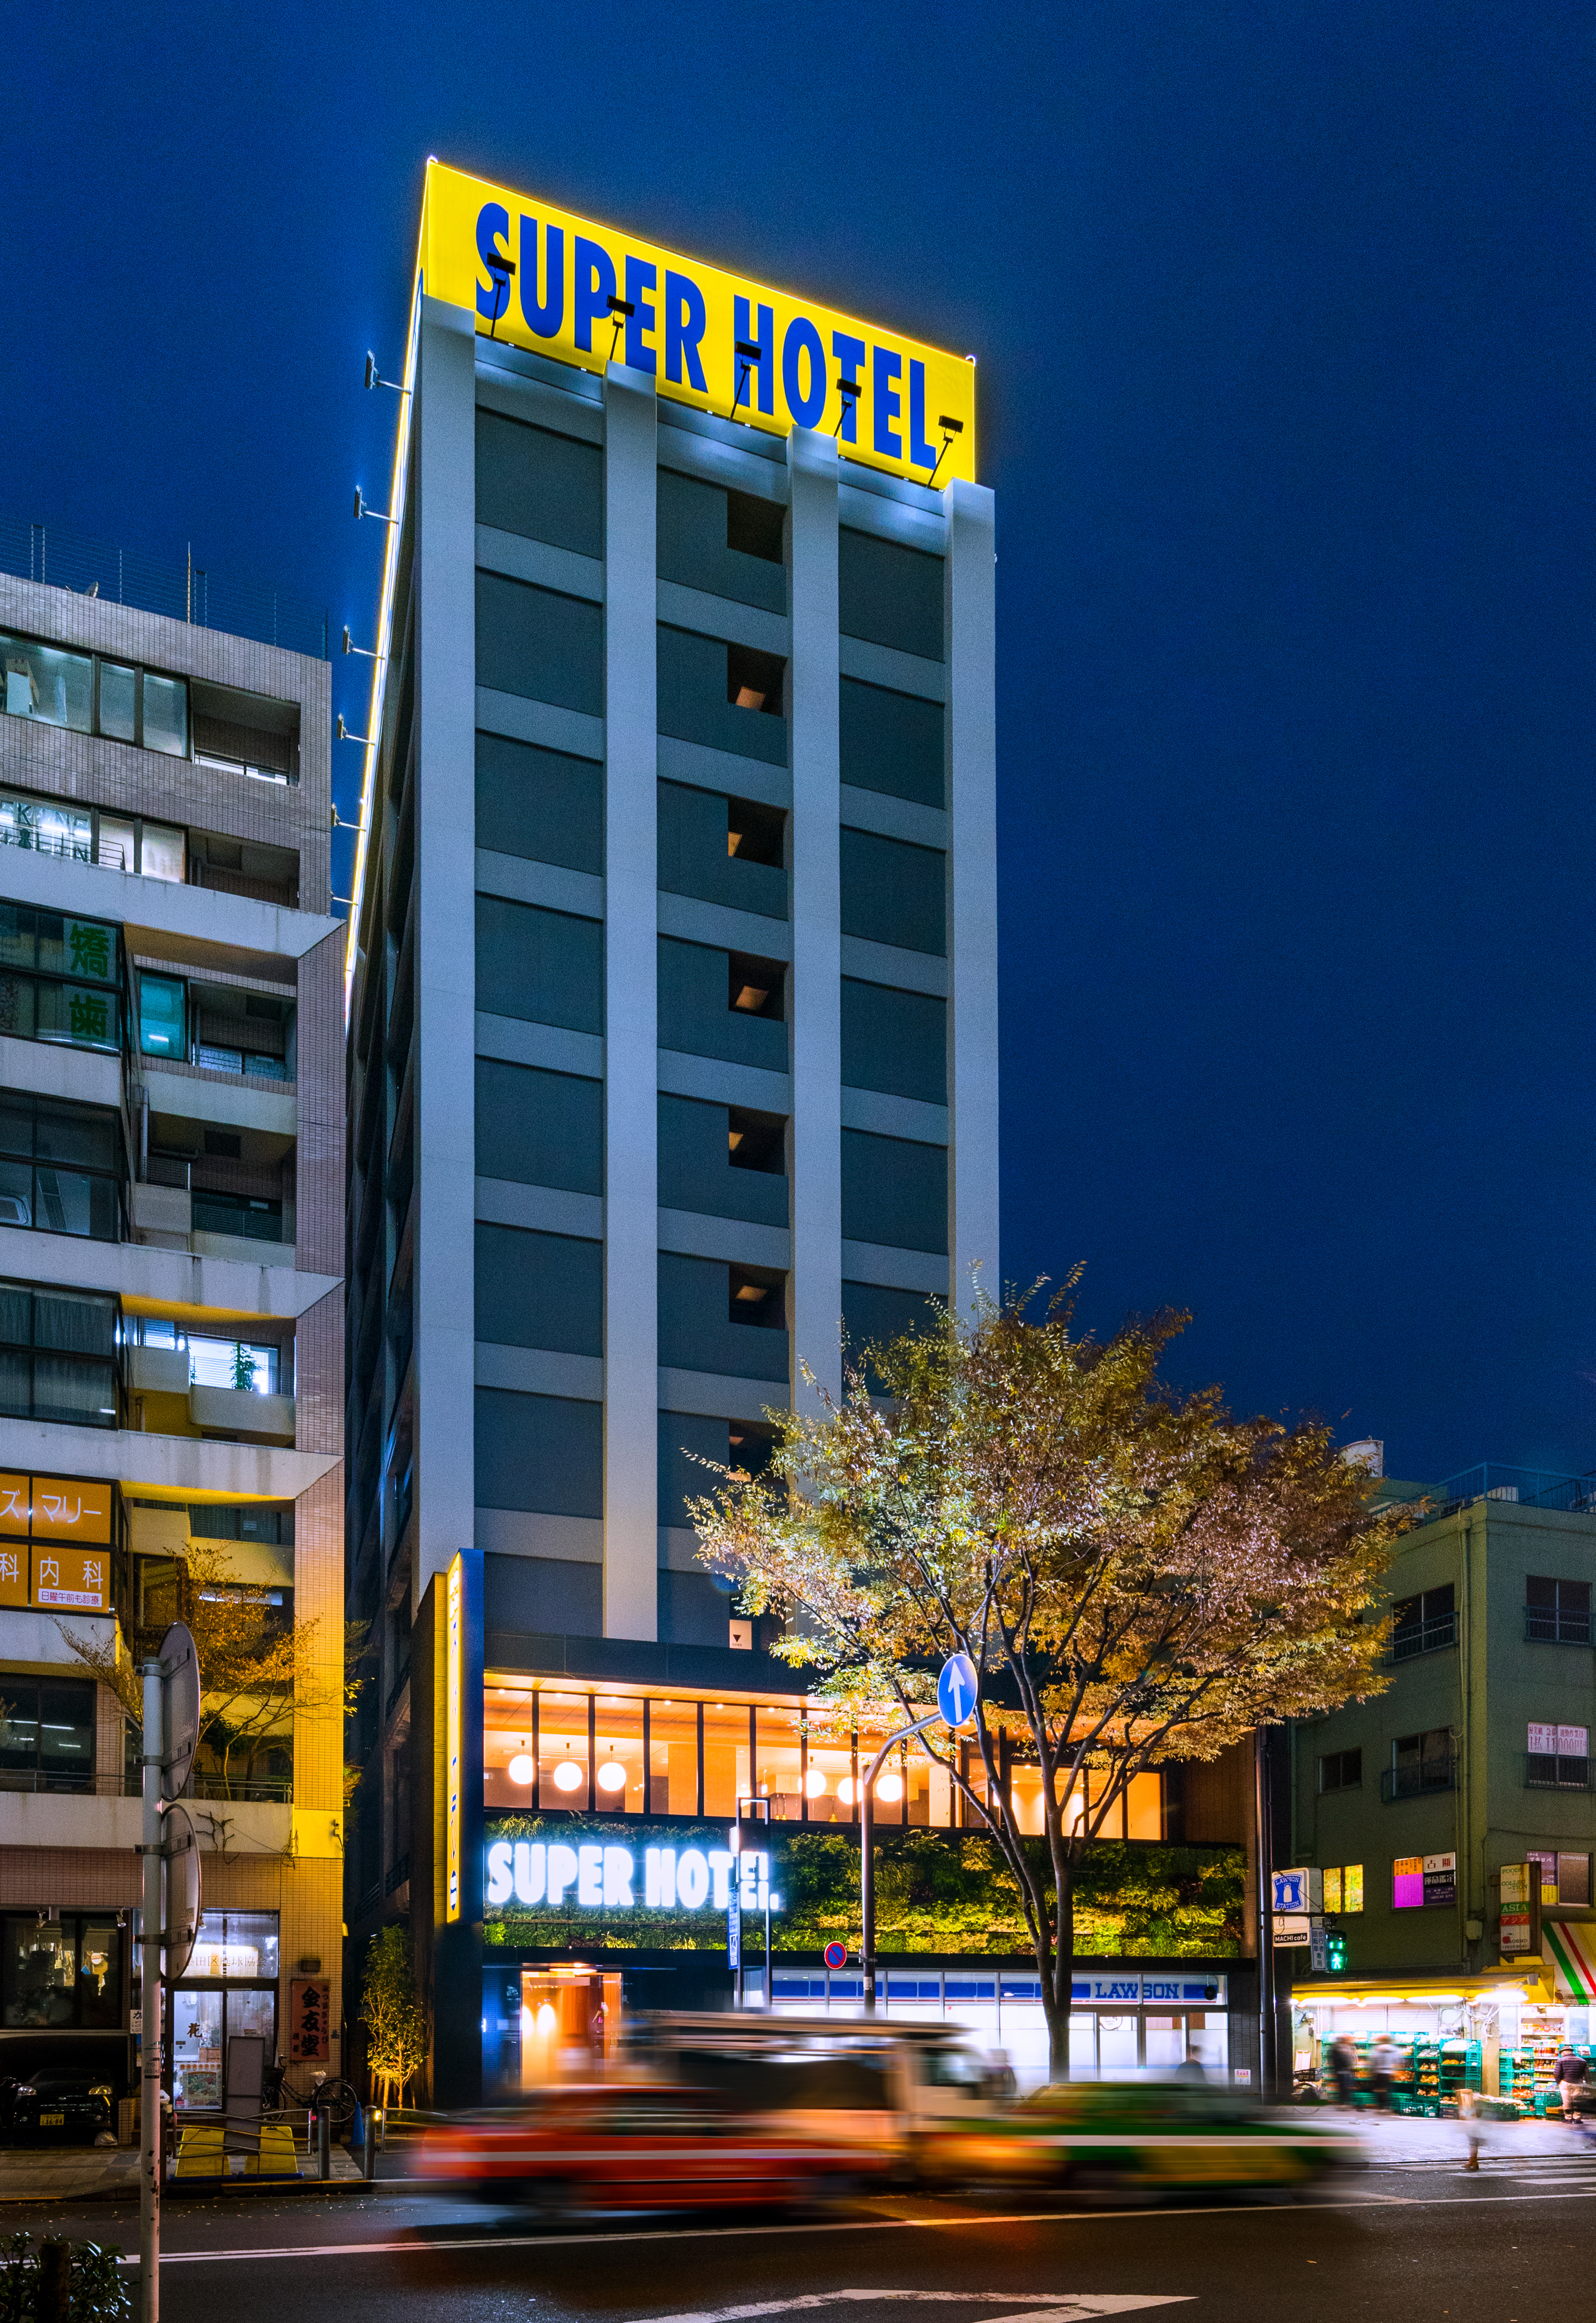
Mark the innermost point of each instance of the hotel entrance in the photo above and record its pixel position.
(570, 2025)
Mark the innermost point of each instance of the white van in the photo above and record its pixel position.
(878, 2085)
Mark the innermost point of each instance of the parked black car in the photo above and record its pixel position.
(70, 2105)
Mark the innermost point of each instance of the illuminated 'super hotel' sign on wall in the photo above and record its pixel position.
(541, 277)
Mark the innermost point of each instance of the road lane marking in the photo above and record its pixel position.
(1061, 2306)
(417, 2248)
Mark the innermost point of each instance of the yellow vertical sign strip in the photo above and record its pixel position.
(539, 276)
(452, 1718)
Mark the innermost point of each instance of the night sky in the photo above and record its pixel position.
(1284, 317)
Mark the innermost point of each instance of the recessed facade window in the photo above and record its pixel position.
(1342, 1770)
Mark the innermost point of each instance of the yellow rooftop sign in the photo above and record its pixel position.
(542, 278)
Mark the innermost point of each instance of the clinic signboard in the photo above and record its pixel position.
(55, 1543)
(542, 278)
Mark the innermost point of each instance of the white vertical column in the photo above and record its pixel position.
(969, 587)
(815, 1306)
(631, 1042)
(444, 484)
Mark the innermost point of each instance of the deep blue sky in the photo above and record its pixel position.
(1284, 317)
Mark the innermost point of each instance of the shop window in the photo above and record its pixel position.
(1424, 1624)
(1342, 1770)
(728, 1738)
(62, 1973)
(46, 1735)
(1556, 1613)
(58, 1356)
(162, 1017)
(672, 1758)
(48, 685)
(230, 1986)
(61, 979)
(1421, 1764)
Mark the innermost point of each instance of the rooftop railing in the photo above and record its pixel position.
(63, 559)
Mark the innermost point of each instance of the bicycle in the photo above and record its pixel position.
(326, 2094)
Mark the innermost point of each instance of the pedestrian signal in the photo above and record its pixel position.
(1335, 1950)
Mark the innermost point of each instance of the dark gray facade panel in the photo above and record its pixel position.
(892, 742)
(894, 1192)
(543, 1596)
(893, 893)
(693, 860)
(895, 1041)
(547, 968)
(538, 1128)
(889, 595)
(695, 1172)
(541, 485)
(696, 1333)
(686, 1439)
(695, 1014)
(696, 706)
(539, 1289)
(540, 805)
(697, 522)
(692, 1610)
(872, 1314)
(543, 1453)
(540, 644)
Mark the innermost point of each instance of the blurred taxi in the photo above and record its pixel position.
(635, 2146)
(1148, 2136)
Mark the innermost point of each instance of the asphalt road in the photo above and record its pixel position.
(1508, 2245)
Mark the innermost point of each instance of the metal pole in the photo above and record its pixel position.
(324, 2140)
(151, 2010)
(866, 1870)
(1266, 1946)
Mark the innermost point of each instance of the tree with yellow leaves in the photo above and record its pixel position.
(1139, 1577)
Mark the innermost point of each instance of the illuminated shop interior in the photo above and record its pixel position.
(625, 1750)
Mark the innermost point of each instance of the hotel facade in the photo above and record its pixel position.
(672, 1059)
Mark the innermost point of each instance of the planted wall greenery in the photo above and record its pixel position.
(936, 1892)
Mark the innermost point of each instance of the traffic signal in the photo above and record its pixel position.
(1335, 1950)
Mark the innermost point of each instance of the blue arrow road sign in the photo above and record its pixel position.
(957, 1690)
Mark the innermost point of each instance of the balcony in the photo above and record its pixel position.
(1429, 1779)
(244, 1413)
(1542, 1772)
(1424, 1638)
(1544, 1625)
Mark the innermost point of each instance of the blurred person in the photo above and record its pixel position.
(1469, 2103)
(1000, 2082)
(1571, 2080)
(1190, 2070)
(1344, 2069)
(1383, 2060)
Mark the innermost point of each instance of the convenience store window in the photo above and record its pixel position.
(229, 1987)
(64, 1973)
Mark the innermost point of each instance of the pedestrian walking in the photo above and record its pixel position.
(1344, 2069)
(1383, 2060)
(1572, 2080)
(1469, 2103)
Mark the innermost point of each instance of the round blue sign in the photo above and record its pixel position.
(957, 1690)
(836, 1955)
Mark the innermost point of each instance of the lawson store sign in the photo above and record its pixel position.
(539, 276)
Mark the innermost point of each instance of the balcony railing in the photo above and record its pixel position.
(1431, 1778)
(1544, 1627)
(1542, 1772)
(243, 1791)
(183, 592)
(107, 1784)
(1424, 1638)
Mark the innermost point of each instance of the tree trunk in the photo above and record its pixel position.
(1058, 2010)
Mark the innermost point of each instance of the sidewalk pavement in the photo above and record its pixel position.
(1397, 2141)
(89, 2173)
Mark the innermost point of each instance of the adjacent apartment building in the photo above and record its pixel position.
(171, 1309)
(673, 1053)
(1434, 1806)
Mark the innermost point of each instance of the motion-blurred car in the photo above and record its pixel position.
(64, 2103)
(638, 2146)
(1143, 2136)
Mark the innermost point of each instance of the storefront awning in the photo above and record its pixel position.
(1571, 1944)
